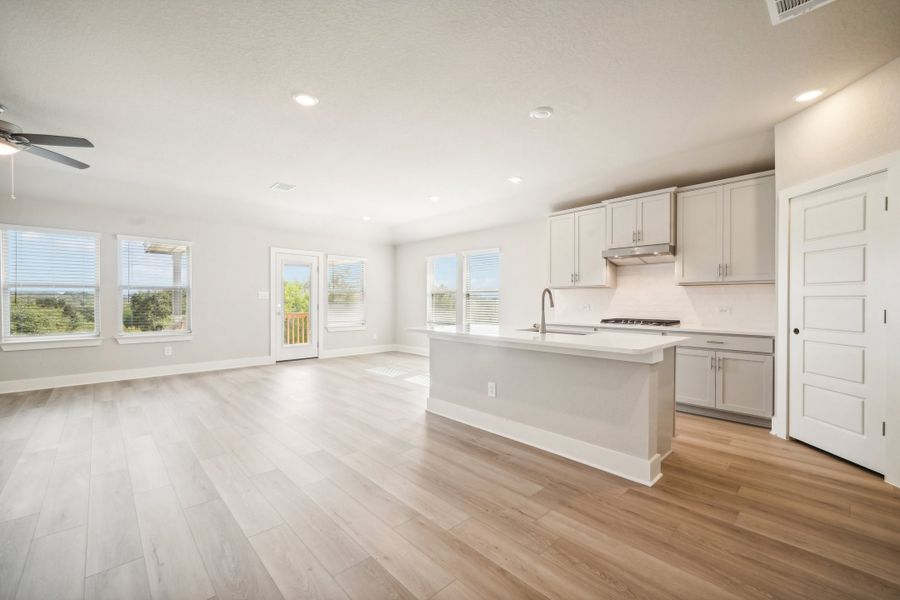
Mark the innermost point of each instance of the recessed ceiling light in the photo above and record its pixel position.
(280, 186)
(367, 218)
(541, 112)
(515, 179)
(808, 95)
(434, 198)
(306, 100)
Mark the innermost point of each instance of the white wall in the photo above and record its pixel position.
(230, 265)
(860, 122)
(642, 291)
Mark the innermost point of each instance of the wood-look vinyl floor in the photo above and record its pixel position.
(323, 479)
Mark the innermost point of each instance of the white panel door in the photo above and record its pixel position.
(590, 233)
(749, 230)
(561, 233)
(622, 224)
(695, 377)
(838, 336)
(699, 256)
(295, 301)
(744, 383)
(654, 219)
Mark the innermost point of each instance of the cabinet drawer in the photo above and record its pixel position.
(737, 343)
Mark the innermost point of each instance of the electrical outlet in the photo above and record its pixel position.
(262, 295)
(374, 336)
(492, 389)
(167, 351)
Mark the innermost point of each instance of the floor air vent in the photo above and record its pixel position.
(784, 10)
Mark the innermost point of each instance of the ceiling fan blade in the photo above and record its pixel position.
(55, 140)
(51, 155)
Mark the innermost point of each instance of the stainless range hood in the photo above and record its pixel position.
(641, 255)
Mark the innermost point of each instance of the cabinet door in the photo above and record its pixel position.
(699, 252)
(695, 377)
(622, 224)
(744, 383)
(591, 269)
(561, 234)
(749, 230)
(654, 219)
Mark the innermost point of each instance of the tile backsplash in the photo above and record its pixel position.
(651, 291)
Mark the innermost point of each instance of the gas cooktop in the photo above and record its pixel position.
(653, 322)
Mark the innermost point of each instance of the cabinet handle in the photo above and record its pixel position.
(719, 362)
(640, 235)
(712, 361)
(572, 277)
(577, 277)
(633, 237)
(720, 270)
(726, 269)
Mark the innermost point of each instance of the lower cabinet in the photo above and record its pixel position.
(736, 382)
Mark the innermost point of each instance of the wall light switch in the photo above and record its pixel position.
(167, 351)
(492, 389)
(262, 295)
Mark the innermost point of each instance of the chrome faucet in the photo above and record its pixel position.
(544, 294)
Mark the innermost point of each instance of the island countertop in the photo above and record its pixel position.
(614, 345)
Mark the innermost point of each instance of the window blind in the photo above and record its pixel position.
(482, 288)
(155, 285)
(442, 274)
(49, 283)
(346, 292)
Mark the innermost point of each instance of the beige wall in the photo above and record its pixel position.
(860, 122)
(642, 291)
(230, 266)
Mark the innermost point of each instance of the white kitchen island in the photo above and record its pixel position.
(605, 399)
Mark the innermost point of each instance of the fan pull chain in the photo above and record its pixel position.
(12, 166)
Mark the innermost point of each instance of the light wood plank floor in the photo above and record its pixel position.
(326, 479)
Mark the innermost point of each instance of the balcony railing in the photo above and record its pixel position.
(296, 328)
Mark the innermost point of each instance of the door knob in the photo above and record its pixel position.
(796, 331)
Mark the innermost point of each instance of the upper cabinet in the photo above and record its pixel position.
(576, 241)
(640, 221)
(726, 232)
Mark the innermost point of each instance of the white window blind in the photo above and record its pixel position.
(155, 285)
(442, 286)
(482, 288)
(346, 293)
(49, 283)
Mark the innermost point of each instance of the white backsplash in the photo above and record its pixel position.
(651, 291)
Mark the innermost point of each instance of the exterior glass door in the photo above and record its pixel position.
(296, 306)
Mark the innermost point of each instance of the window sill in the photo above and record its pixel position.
(154, 338)
(46, 344)
(346, 328)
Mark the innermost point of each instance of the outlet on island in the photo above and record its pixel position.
(492, 389)
(167, 351)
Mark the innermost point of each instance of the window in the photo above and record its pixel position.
(442, 279)
(49, 284)
(346, 293)
(155, 286)
(481, 285)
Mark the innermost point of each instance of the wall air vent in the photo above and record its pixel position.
(784, 10)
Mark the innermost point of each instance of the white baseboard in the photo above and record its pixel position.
(419, 350)
(357, 351)
(633, 468)
(40, 383)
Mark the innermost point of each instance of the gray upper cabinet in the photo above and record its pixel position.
(726, 231)
(641, 221)
(576, 240)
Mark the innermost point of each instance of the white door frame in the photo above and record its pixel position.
(275, 294)
(889, 163)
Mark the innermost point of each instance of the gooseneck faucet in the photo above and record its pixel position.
(544, 294)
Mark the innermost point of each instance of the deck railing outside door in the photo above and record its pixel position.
(296, 328)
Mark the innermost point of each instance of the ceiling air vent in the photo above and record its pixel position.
(280, 186)
(783, 10)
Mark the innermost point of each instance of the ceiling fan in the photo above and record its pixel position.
(12, 140)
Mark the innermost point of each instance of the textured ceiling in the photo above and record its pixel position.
(189, 103)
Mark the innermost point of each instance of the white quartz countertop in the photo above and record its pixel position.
(675, 329)
(606, 344)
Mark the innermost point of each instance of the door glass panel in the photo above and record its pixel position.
(295, 282)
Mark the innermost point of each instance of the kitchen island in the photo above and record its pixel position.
(605, 399)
